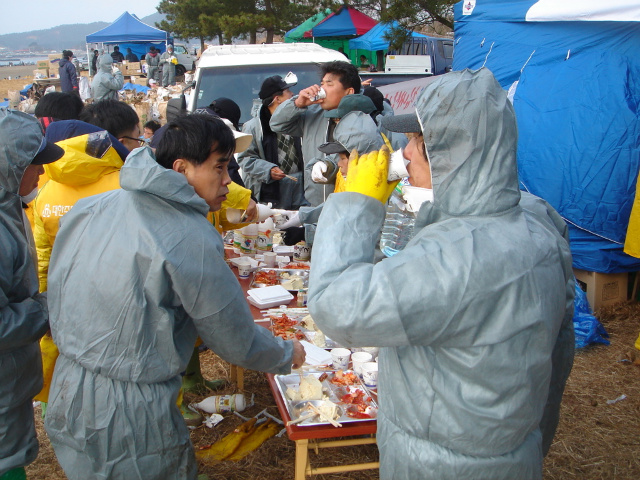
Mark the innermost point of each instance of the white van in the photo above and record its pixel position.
(237, 71)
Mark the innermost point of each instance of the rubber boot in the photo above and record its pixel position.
(15, 474)
(191, 418)
(193, 382)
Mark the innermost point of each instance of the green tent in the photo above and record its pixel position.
(297, 34)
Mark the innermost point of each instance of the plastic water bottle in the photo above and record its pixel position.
(398, 226)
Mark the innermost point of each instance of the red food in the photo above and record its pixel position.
(344, 379)
(297, 266)
(284, 327)
(353, 412)
(268, 277)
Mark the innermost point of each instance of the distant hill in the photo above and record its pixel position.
(60, 37)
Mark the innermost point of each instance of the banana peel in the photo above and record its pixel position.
(239, 443)
(260, 435)
(227, 445)
(49, 357)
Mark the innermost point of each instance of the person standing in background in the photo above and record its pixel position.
(168, 62)
(117, 55)
(131, 57)
(153, 63)
(68, 74)
(93, 69)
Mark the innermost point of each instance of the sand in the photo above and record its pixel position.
(20, 76)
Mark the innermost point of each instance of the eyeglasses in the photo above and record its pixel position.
(142, 143)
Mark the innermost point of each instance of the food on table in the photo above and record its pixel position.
(358, 404)
(291, 282)
(285, 327)
(266, 277)
(310, 388)
(297, 266)
(344, 378)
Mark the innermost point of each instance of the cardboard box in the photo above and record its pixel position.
(43, 64)
(133, 65)
(54, 56)
(603, 289)
(139, 81)
(42, 71)
(84, 73)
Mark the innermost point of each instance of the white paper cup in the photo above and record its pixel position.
(370, 374)
(270, 259)
(340, 358)
(234, 215)
(373, 351)
(244, 270)
(397, 166)
(301, 252)
(359, 358)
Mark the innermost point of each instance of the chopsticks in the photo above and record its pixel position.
(313, 408)
(294, 179)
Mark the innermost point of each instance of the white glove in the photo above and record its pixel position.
(114, 69)
(286, 217)
(318, 171)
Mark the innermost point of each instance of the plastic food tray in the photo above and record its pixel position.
(282, 274)
(334, 392)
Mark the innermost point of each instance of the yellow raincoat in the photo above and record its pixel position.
(632, 243)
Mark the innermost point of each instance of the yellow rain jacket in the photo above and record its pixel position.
(632, 243)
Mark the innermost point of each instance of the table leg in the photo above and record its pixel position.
(302, 459)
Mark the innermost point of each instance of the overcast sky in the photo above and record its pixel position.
(40, 14)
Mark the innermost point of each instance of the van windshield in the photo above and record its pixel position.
(242, 83)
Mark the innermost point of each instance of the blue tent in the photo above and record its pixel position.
(573, 71)
(374, 39)
(347, 21)
(127, 29)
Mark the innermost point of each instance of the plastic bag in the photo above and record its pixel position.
(587, 328)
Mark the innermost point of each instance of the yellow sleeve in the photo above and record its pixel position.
(44, 244)
(238, 197)
(632, 242)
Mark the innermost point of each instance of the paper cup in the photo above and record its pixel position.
(358, 359)
(397, 166)
(340, 358)
(370, 374)
(270, 259)
(234, 215)
(301, 253)
(244, 270)
(373, 351)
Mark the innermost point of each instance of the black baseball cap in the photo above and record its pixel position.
(273, 85)
(332, 147)
(48, 153)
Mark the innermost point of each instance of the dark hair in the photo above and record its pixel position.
(67, 53)
(153, 125)
(59, 105)
(115, 117)
(227, 108)
(347, 74)
(191, 137)
(116, 48)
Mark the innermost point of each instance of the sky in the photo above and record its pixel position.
(21, 17)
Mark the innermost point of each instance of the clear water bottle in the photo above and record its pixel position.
(398, 225)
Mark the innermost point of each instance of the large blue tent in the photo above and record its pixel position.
(573, 71)
(127, 28)
(375, 39)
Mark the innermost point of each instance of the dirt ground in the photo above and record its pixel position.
(20, 76)
(596, 439)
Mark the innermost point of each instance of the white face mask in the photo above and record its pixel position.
(416, 196)
(397, 166)
(29, 197)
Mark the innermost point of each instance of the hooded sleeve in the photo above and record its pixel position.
(251, 159)
(288, 118)
(221, 313)
(22, 321)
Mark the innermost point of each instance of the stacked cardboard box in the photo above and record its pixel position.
(603, 289)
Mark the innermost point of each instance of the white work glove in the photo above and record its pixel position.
(114, 69)
(318, 171)
(294, 221)
(284, 217)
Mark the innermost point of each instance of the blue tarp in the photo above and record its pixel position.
(127, 28)
(137, 88)
(374, 39)
(577, 100)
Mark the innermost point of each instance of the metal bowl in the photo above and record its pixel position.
(300, 408)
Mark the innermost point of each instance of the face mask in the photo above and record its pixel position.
(397, 166)
(416, 196)
(29, 198)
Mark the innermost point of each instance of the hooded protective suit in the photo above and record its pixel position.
(105, 85)
(469, 313)
(310, 124)
(261, 156)
(23, 311)
(137, 274)
(356, 131)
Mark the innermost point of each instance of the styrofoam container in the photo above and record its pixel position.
(267, 297)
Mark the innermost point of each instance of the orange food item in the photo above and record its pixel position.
(345, 379)
(297, 266)
(284, 327)
(268, 277)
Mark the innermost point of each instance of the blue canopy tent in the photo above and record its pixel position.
(375, 39)
(573, 72)
(128, 31)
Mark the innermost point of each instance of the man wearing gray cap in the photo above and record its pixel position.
(23, 310)
(272, 165)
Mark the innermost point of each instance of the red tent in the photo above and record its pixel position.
(345, 22)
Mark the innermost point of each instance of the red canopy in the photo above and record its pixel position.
(345, 22)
